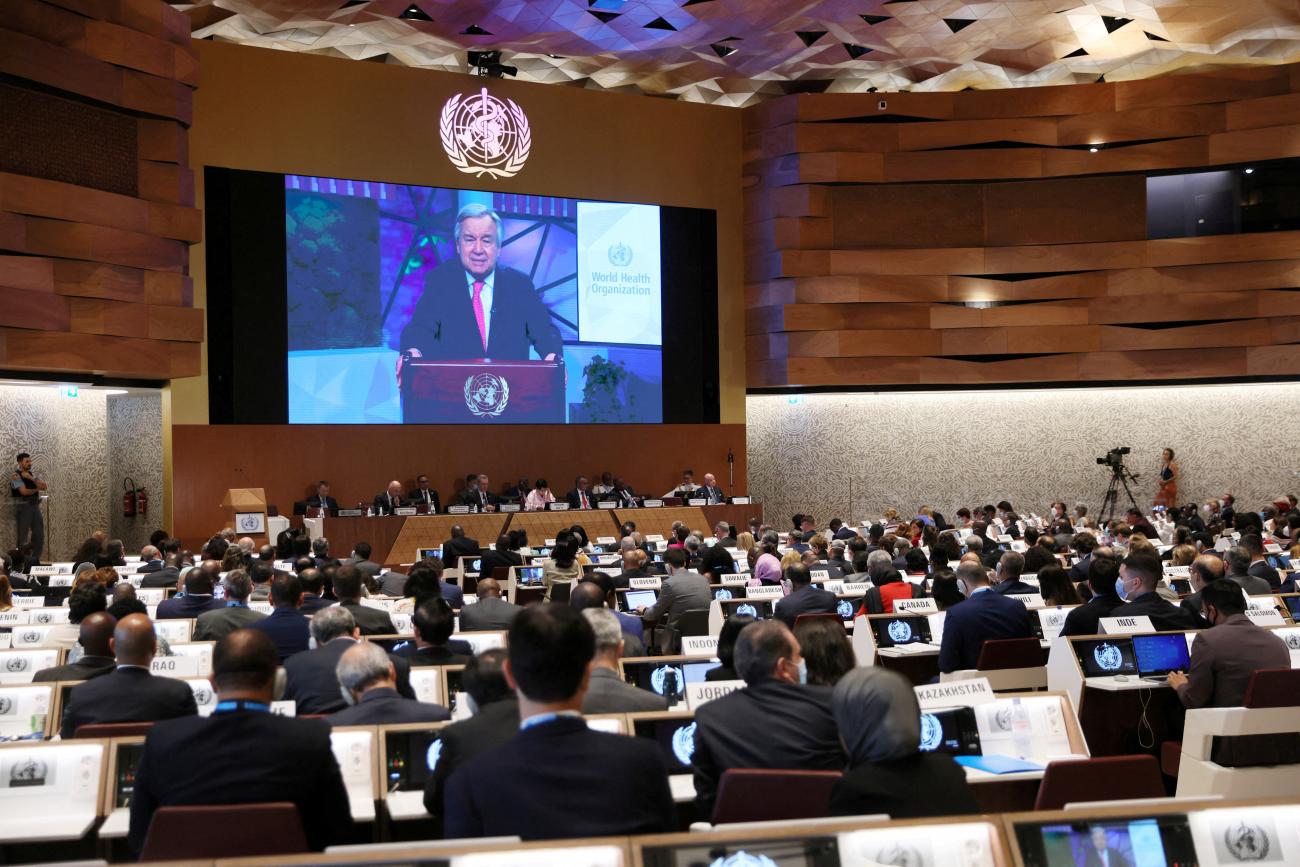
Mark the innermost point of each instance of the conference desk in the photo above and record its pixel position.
(394, 539)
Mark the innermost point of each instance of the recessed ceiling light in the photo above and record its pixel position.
(1250, 171)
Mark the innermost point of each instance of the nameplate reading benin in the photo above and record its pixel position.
(1126, 625)
(958, 693)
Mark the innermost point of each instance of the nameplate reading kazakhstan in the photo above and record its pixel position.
(702, 693)
(650, 583)
(1126, 625)
(916, 606)
(764, 593)
(1265, 617)
(957, 693)
(175, 666)
(699, 645)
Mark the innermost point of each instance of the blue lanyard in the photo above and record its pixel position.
(229, 706)
(543, 718)
(233, 604)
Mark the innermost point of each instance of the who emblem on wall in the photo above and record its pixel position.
(483, 135)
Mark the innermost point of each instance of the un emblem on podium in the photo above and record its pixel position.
(487, 394)
(483, 135)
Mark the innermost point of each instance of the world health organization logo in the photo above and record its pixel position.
(1246, 841)
(684, 743)
(483, 135)
(487, 394)
(743, 859)
(844, 608)
(747, 610)
(667, 680)
(1108, 657)
(931, 732)
(900, 631)
(722, 593)
(620, 254)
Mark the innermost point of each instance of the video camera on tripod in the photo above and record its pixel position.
(1115, 459)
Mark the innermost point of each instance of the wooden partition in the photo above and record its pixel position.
(96, 199)
(359, 461)
(1000, 236)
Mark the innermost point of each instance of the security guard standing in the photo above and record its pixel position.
(26, 491)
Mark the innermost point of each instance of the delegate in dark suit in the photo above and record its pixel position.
(1015, 588)
(493, 725)
(1086, 618)
(242, 757)
(770, 724)
(717, 560)
(313, 684)
(463, 546)
(216, 625)
(805, 600)
(167, 576)
(129, 694)
(188, 606)
(443, 325)
(578, 500)
(1223, 659)
(985, 615)
(491, 612)
(1114, 858)
(315, 502)
(289, 628)
(371, 621)
(683, 592)
(425, 496)
(381, 706)
(383, 504)
(560, 779)
(86, 668)
(495, 558)
(1165, 616)
(609, 693)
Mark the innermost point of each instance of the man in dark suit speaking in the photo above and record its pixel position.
(473, 309)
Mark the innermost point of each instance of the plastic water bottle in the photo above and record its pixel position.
(1021, 732)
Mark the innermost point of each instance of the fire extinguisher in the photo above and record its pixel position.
(128, 497)
(141, 502)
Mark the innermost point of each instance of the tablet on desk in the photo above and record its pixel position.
(675, 737)
(1157, 655)
(635, 599)
(427, 553)
(893, 631)
(1106, 657)
(410, 757)
(528, 576)
(953, 731)
(1159, 840)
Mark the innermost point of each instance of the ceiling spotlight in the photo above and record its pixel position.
(1250, 171)
(414, 13)
(488, 64)
(1093, 149)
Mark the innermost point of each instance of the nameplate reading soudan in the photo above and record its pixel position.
(1126, 625)
(957, 693)
(701, 693)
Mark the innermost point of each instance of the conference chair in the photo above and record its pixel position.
(802, 618)
(694, 621)
(1265, 730)
(1109, 778)
(1013, 664)
(763, 795)
(113, 730)
(187, 833)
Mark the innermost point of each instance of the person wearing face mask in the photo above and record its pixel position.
(1085, 619)
(1139, 573)
(984, 616)
(880, 725)
(776, 721)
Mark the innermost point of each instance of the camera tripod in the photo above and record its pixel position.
(1119, 477)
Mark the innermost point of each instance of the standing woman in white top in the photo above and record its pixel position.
(538, 497)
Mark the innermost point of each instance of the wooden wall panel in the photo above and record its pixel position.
(976, 239)
(287, 460)
(100, 284)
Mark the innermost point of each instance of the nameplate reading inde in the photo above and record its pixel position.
(699, 645)
(764, 592)
(558, 507)
(650, 583)
(916, 606)
(1126, 625)
(702, 693)
(175, 666)
(607, 504)
(957, 693)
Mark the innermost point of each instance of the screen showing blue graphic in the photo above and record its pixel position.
(1161, 654)
(378, 272)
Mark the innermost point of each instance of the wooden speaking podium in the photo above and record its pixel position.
(478, 391)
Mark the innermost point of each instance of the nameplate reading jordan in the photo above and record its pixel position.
(697, 501)
(508, 507)
(404, 511)
(1265, 617)
(458, 510)
(700, 645)
(558, 507)
(1126, 625)
(1029, 600)
(703, 693)
(175, 666)
(733, 580)
(607, 504)
(29, 601)
(764, 592)
(650, 583)
(915, 606)
(651, 504)
(957, 693)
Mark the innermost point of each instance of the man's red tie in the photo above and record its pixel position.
(583, 495)
(477, 301)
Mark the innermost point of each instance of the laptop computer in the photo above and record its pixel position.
(633, 599)
(1157, 655)
(528, 576)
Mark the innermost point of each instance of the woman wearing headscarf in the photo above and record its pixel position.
(880, 725)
